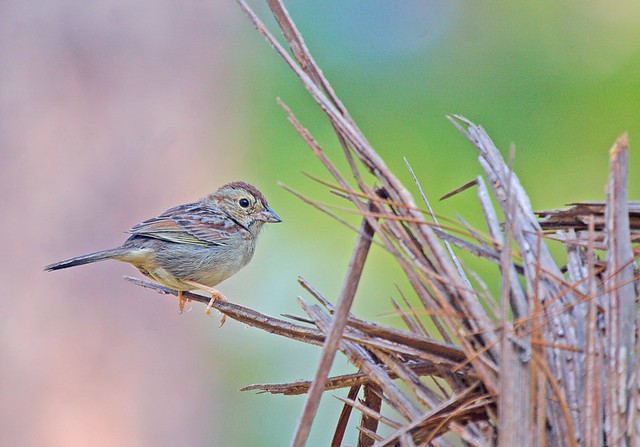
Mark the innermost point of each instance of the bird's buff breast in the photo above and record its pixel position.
(209, 266)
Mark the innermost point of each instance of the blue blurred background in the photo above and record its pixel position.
(113, 111)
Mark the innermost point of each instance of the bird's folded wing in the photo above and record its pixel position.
(188, 224)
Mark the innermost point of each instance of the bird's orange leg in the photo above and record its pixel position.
(182, 301)
(215, 296)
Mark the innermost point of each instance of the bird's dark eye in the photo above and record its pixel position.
(243, 202)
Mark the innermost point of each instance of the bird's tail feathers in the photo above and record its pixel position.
(86, 259)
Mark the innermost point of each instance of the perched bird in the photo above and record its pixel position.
(196, 245)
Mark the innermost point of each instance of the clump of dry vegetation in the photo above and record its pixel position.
(552, 361)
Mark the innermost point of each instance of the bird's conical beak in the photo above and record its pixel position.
(269, 215)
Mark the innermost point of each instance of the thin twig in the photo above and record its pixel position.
(344, 381)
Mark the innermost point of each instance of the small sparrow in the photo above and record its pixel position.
(196, 245)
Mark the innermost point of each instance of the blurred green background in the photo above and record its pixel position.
(113, 111)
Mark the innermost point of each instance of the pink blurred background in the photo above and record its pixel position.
(110, 112)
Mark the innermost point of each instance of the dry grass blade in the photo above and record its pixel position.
(370, 434)
(454, 258)
(410, 322)
(459, 190)
(370, 413)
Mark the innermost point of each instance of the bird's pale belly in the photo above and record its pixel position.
(204, 265)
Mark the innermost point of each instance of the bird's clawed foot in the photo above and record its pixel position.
(215, 296)
(182, 301)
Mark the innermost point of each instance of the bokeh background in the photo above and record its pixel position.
(112, 111)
